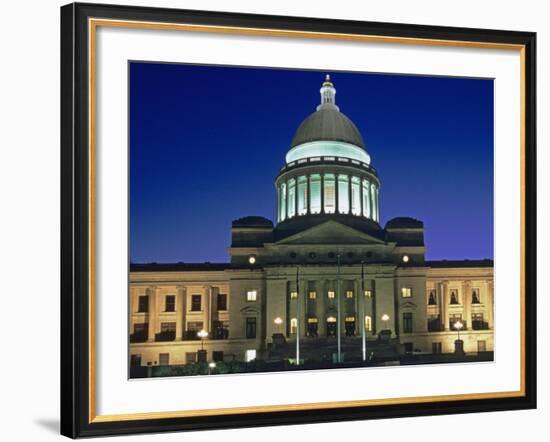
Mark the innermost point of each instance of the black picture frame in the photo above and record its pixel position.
(75, 219)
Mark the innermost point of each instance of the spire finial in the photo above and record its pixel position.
(328, 94)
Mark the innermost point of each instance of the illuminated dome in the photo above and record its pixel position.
(328, 170)
(328, 124)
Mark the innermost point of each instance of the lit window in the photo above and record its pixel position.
(302, 195)
(250, 355)
(282, 204)
(315, 194)
(331, 294)
(343, 194)
(349, 294)
(293, 295)
(355, 196)
(331, 319)
(406, 292)
(368, 293)
(374, 202)
(291, 198)
(330, 194)
(293, 326)
(366, 199)
(368, 323)
(251, 295)
(312, 295)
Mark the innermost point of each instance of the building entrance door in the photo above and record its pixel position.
(331, 327)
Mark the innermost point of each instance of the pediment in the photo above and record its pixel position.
(408, 304)
(330, 232)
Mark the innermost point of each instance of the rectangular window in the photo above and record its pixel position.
(251, 295)
(190, 357)
(368, 293)
(141, 328)
(166, 327)
(192, 329)
(143, 304)
(343, 194)
(407, 322)
(164, 359)
(135, 360)
(217, 356)
(170, 303)
(436, 348)
(349, 294)
(355, 196)
(478, 322)
(330, 193)
(406, 292)
(293, 295)
(434, 323)
(291, 198)
(250, 328)
(315, 194)
(368, 323)
(366, 199)
(293, 326)
(312, 295)
(250, 355)
(196, 301)
(302, 195)
(476, 299)
(331, 294)
(222, 302)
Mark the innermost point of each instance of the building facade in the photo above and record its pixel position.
(326, 274)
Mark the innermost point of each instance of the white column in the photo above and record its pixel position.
(180, 306)
(153, 315)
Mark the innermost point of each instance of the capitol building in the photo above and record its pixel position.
(325, 282)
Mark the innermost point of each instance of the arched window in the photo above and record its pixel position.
(330, 193)
(431, 299)
(315, 194)
(355, 196)
(302, 195)
(343, 194)
(291, 197)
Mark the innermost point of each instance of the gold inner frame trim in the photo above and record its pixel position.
(93, 24)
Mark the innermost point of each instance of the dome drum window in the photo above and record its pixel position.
(327, 193)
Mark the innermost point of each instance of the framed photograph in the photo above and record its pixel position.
(279, 220)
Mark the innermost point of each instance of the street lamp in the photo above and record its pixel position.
(458, 326)
(278, 321)
(202, 334)
(385, 318)
(211, 367)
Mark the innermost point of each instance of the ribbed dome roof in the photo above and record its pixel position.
(328, 124)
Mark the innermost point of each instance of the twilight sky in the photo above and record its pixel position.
(206, 144)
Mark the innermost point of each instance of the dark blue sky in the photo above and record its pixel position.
(206, 144)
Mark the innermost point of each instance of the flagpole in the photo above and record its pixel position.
(363, 311)
(297, 318)
(339, 319)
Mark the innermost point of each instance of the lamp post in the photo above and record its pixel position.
(385, 318)
(458, 326)
(202, 335)
(278, 321)
(211, 367)
(339, 316)
(298, 316)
